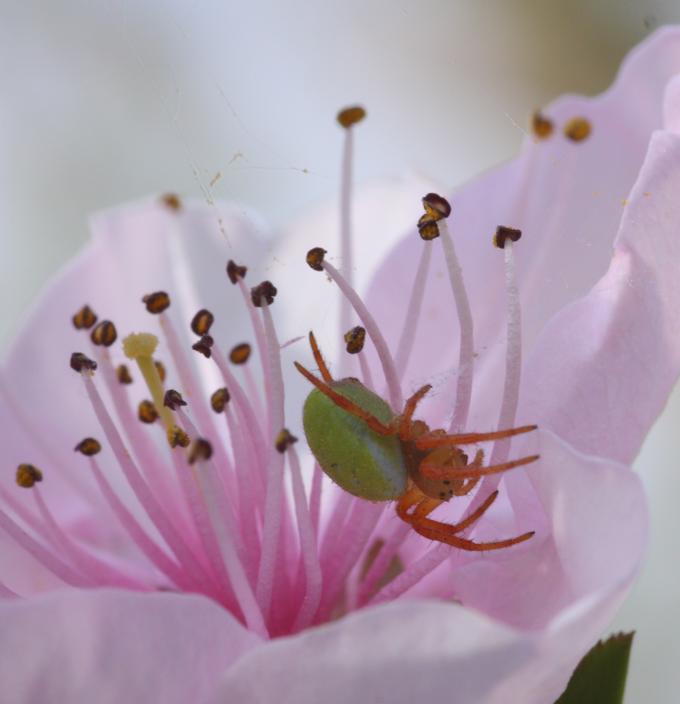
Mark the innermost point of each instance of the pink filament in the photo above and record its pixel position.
(273, 506)
(139, 486)
(310, 557)
(374, 333)
(346, 253)
(408, 331)
(466, 347)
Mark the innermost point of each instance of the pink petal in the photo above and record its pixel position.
(110, 647)
(602, 369)
(567, 199)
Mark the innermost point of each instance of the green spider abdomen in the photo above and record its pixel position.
(365, 464)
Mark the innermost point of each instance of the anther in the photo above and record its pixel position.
(355, 339)
(240, 353)
(436, 206)
(156, 302)
(235, 272)
(350, 116)
(160, 368)
(577, 129)
(315, 258)
(84, 319)
(202, 322)
(541, 126)
(504, 233)
(177, 437)
(146, 412)
(219, 400)
(79, 362)
(266, 290)
(88, 447)
(203, 346)
(27, 475)
(123, 374)
(172, 201)
(201, 449)
(427, 227)
(104, 334)
(284, 440)
(173, 400)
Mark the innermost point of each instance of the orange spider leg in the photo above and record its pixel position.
(371, 421)
(466, 487)
(463, 544)
(438, 471)
(409, 410)
(430, 442)
(318, 357)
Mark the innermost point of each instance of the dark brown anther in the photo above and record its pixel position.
(79, 363)
(240, 353)
(156, 302)
(315, 258)
(235, 272)
(428, 228)
(266, 290)
(146, 412)
(172, 201)
(541, 126)
(88, 447)
(27, 475)
(84, 319)
(173, 399)
(202, 322)
(104, 334)
(577, 129)
(160, 368)
(355, 339)
(219, 400)
(201, 449)
(503, 234)
(436, 206)
(350, 116)
(177, 437)
(203, 346)
(284, 440)
(123, 374)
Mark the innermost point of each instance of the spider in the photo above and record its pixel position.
(378, 455)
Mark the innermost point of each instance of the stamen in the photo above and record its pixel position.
(89, 447)
(408, 332)
(173, 400)
(240, 354)
(123, 374)
(266, 291)
(161, 369)
(355, 339)
(138, 485)
(347, 118)
(219, 400)
(104, 334)
(80, 363)
(202, 322)
(146, 412)
(577, 129)
(156, 302)
(172, 201)
(235, 272)
(541, 126)
(373, 331)
(273, 506)
(308, 551)
(84, 319)
(27, 475)
(466, 345)
(204, 346)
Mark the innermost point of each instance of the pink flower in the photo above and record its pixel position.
(107, 546)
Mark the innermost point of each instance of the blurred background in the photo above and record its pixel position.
(103, 102)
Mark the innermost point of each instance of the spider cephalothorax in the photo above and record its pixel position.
(378, 455)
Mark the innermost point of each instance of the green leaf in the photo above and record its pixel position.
(600, 678)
